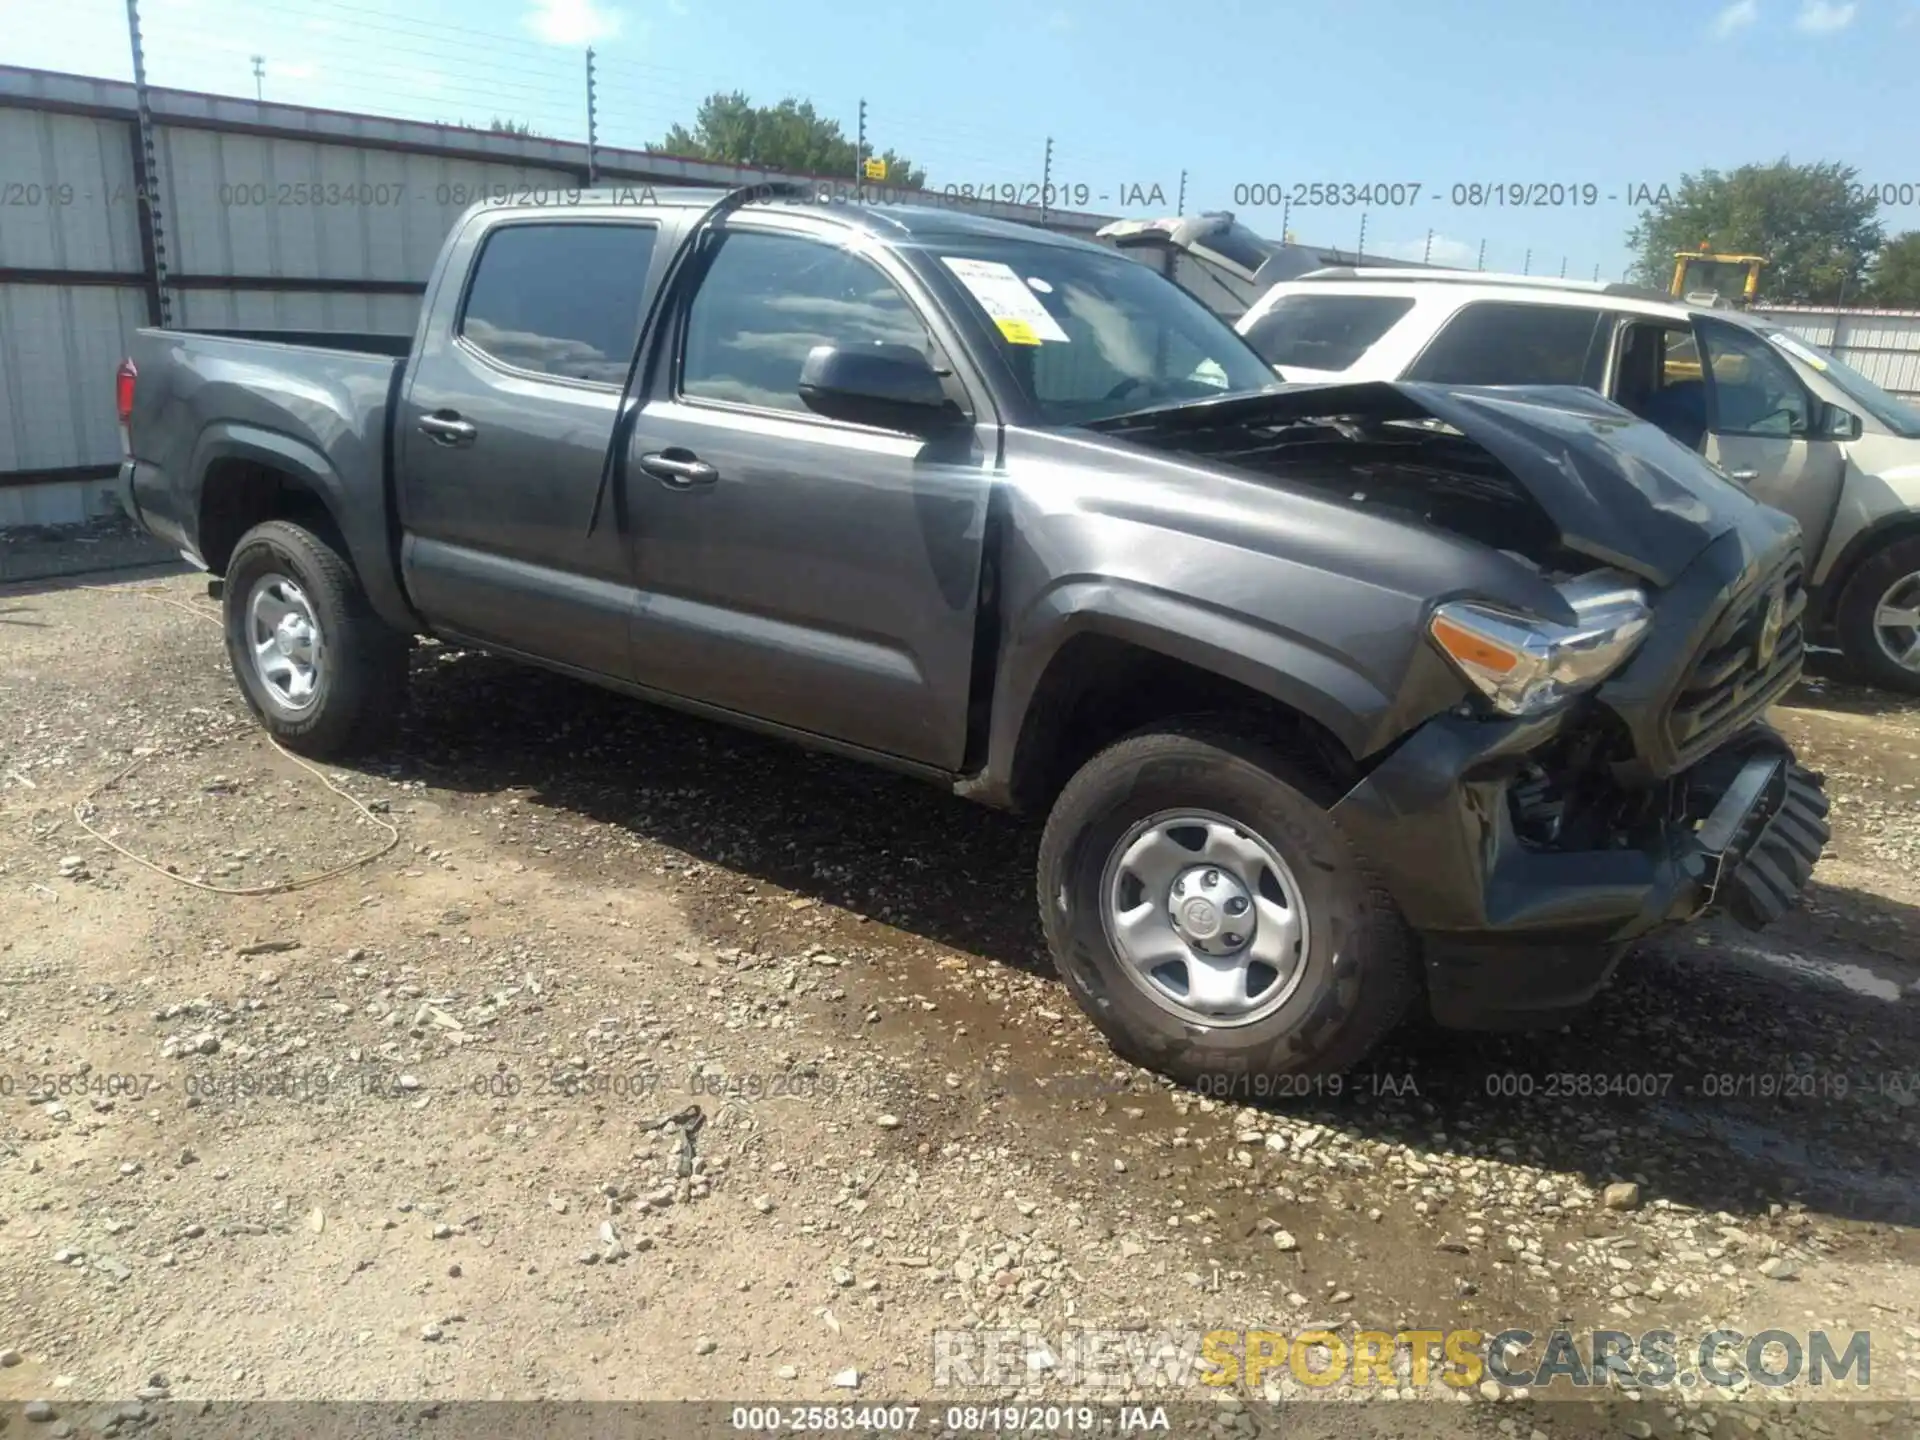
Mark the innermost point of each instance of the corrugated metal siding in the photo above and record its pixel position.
(268, 205)
(283, 310)
(1883, 345)
(71, 199)
(59, 345)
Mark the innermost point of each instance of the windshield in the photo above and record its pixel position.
(1898, 415)
(1089, 335)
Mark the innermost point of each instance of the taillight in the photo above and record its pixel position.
(123, 379)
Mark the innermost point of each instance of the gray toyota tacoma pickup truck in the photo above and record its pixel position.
(1338, 700)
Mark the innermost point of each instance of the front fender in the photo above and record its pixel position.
(1282, 666)
(358, 516)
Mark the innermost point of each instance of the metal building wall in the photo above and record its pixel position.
(271, 216)
(1883, 345)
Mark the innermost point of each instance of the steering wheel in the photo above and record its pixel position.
(1126, 387)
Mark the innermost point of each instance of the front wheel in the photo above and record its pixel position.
(324, 673)
(1878, 617)
(1212, 920)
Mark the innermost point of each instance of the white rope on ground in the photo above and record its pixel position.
(277, 887)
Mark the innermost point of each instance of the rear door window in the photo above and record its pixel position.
(560, 299)
(1324, 332)
(1496, 342)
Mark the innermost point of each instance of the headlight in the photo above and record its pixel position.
(1524, 664)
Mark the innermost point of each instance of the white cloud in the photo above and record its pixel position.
(1737, 16)
(1823, 17)
(572, 22)
(1461, 253)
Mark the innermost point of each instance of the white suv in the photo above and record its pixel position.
(1803, 431)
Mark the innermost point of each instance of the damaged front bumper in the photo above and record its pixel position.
(1516, 930)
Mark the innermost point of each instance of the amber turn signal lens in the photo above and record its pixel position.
(1471, 649)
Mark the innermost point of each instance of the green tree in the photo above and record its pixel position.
(790, 136)
(497, 126)
(1894, 281)
(1815, 229)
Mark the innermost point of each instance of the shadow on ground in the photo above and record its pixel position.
(1723, 1070)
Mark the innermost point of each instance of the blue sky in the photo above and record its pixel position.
(1132, 91)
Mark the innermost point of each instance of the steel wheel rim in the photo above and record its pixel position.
(1170, 893)
(1896, 622)
(285, 643)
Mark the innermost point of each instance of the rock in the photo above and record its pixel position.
(317, 1221)
(1621, 1195)
(9, 1359)
(443, 1232)
(431, 1332)
(409, 1082)
(206, 1044)
(848, 1379)
(1489, 1389)
(38, 1410)
(1284, 1242)
(453, 1271)
(608, 1236)
(763, 1203)
(788, 1372)
(556, 1204)
(705, 1345)
(1639, 1429)
(1779, 1268)
(888, 1122)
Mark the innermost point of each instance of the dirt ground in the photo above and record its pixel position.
(419, 1131)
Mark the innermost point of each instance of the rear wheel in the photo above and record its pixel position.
(1878, 617)
(1211, 919)
(324, 673)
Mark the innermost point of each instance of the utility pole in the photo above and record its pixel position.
(1180, 205)
(1596, 274)
(1527, 267)
(1563, 267)
(148, 176)
(1426, 255)
(860, 156)
(1046, 181)
(593, 127)
(1481, 263)
(1359, 255)
(259, 75)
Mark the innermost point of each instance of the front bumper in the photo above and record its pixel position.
(1514, 931)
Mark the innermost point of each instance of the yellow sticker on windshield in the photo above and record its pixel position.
(1016, 332)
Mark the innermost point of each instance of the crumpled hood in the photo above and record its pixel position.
(1617, 489)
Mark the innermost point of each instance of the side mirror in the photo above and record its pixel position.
(893, 387)
(1835, 422)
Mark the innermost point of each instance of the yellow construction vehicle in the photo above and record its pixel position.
(1706, 277)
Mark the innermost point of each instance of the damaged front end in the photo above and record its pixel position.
(1603, 769)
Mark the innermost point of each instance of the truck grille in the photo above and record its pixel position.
(1752, 655)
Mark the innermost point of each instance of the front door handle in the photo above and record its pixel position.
(445, 427)
(1743, 476)
(678, 469)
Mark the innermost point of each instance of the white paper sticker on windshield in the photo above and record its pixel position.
(1022, 319)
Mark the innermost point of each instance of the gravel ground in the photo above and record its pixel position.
(422, 1132)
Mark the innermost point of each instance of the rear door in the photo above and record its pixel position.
(503, 430)
(1760, 422)
(800, 570)
(1507, 342)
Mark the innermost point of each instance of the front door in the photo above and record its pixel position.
(805, 571)
(1760, 430)
(501, 438)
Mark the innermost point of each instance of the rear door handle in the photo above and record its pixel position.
(1743, 476)
(678, 469)
(445, 427)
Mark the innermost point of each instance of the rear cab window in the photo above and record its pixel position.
(560, 299)
(1503, 342)
(1324, 332)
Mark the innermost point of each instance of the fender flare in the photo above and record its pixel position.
(363, 526)
(1270, 661)
(1901, 525)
